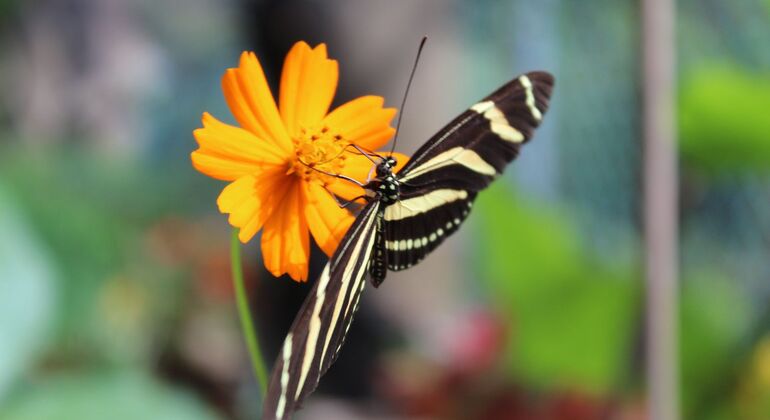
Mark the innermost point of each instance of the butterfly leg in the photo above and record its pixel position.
(347, 203)
(340, 203)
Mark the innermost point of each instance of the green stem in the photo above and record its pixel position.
(247, 325)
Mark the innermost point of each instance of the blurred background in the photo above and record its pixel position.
(115, 290)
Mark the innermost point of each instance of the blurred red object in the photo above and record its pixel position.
(471, 385)
(477, 343)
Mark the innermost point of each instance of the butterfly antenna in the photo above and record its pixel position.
(406, 93)
(338, 176)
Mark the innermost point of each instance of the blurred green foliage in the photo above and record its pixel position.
(724, 118)
(573, 316)
(116, 395)
(714, 326)
(28, 282)
(116, 291)
(93, 216)
(575, 319)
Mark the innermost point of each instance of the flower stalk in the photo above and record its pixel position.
(244, 312)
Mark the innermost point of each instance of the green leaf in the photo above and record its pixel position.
(28, 279)
(572, 320)
(714, 322)
(725, 120)
(117, 396)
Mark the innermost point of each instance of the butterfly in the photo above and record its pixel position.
(407, 215)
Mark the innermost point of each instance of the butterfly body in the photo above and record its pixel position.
(406, 216)
(385, 186)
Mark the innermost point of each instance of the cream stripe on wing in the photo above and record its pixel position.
(344, 287)
(441, 139)
(355, 305)
(360, 275)
(497, 122)
(524, 80)
(483, 106)
(286, 355)
(456, 155)
(314, 329)
(422, 204)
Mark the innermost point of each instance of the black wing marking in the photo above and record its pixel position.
(440, 182)
(411, 238)
(319, 330)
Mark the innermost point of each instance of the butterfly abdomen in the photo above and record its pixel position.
(378, 267)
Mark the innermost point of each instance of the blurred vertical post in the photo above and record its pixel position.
(660, 208)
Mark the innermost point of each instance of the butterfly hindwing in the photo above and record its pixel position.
(437, 189)
(319, 329)
(440, 182)
(410, 234)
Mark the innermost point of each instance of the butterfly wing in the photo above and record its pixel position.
(440, 182)
(319, 329)
(438, 186)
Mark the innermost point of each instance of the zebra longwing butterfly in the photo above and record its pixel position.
(407, 215)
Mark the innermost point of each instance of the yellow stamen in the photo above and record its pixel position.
(318, 150)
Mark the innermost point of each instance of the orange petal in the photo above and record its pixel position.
(249, 98)
(251, 200)
(226, 152)
(308, 83)
(347, 191)
(359, 168)
(285, 239)
(363, 121)
(327, 221)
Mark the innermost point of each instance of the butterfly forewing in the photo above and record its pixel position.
(322, 323)
(440, 182)
(437, 189)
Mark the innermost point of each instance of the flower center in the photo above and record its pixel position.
(319, 151)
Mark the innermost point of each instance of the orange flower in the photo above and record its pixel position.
(268, 159)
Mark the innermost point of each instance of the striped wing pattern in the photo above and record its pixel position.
(319, 330)
(437, 189)
(440, 182)
(411, 235)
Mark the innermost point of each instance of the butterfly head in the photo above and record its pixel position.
(385, 184)
(385, 167)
